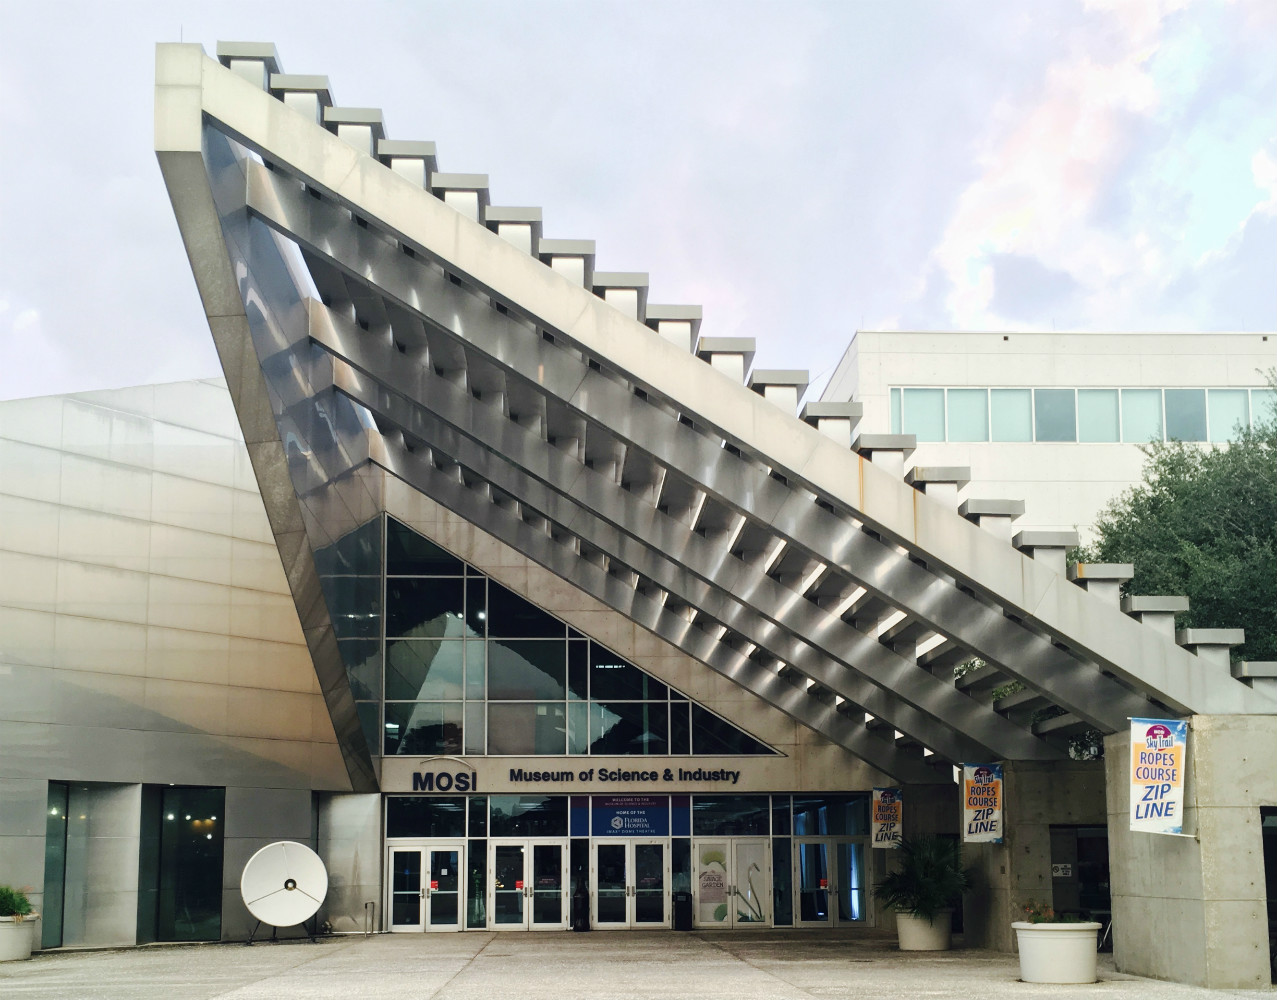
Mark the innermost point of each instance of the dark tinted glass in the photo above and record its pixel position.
(55, 862)
(612, 678)
(782, 883)
(192, 821)
(832, 815)
(578, 670)
(423, 728)
(424, 669)
(363, 667)
(1186, 414)
(521, 728)
(780, 815)
(422, 816)
(712, 735)
(680, 728)
(370, 721)
(409, 554)
(528, 816)
(478, 821)
(511, 616)
(476, 885)
(1054, 418)
(354, 603)
(476, 607)
(357, 553)
(523, 669)
(429, 608)
(731, 816)
(633, 727)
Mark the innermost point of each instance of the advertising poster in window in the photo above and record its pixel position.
(982, 803)
(888, 817)
(1158, 749)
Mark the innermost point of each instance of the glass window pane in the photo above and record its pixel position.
(425, 816)
(680, 728)
(1097, 415)
(409, 554)
(780, 815)
(578, 670)
(629, 728)
(1186, 414)
(424, 670)
(895, 411)
(1228, 411)
(370, 722)
(510, 615)
(1141, 415)
(476, 885)
(1263, 405)
(355, 602)
(475, 728)
(1011, 414)
(578, 727)
(1053, 416)
(190, 863)
(525, 728)
(968, 413)
(528, 816)
(55, 858)
(834, 815)
(613, 678)
(923, 414)
(476, 669)
(731, 816)
(425, 609)
(423, 728)
(477, 817)
(527, 669)
(712, 735)
(476, 606)
(363, 667)
(782, 883)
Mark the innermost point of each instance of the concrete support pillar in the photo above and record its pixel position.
(887, 451)
(1261, 675)
(1104, 580)
(520, 226)
(574, 259)
(1156, 612)
(836, 421)
(467, 193)
(410, 159)
(254, 61)
(730, 355)
(784, 387)
(361, 128)
(625, 291)
(1018, 871)
(1211, 645)
(308, 95)
(994, 516)
(1193, 909)
(679, 325)
(1048, 547)
(943, 484)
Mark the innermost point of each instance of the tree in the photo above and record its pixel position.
(1204, 523)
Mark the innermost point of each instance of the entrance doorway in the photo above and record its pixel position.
(827, 881)
(527, 885)
(631, 883)
(426, 888)
(733, 882)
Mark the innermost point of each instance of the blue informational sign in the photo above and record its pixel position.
(630, 816)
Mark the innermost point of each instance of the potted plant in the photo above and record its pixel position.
(924, 889)
(17, 924)
(1055, 947)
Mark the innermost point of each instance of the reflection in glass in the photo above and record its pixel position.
(55, 864)
(615, 679)
(1186, 414)
(363, 667)
(923, 414)
(423, 727)
(405, 889)
(813, 882)
(1011, 414)
(445, 885)
(649, 883)
(190, 869)
(968, 414)
(528, 816)
(851, 889)
(527, 669)
(507, 883)
(834, 815)
(1228, 413)
(1097, 418)
(578, 727)
(547, 884)
(1141, 415)
(524, 728)
(731, 816)
(634, 728)
(1263, 405)
(611, 889)
(370, 722)
(509, 615)
(1054, 418)
(782, 882)
(714, 735)
(428, 608)
(477, 884)
(475, 727)
(425, 816)
(424, 670)
(895, 411)
(411, 554)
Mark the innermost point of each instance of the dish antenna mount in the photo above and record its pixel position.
(283, 885)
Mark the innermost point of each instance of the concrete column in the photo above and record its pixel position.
(467, 193)
(943, 484)
(625, 291)
(361, 128)
(730, 355)
(413, 160)
(1193, 909)
(308, 95)
(887, 451)
(994, 516)
(1018, 871)
(836, 421)
(679, 325)
(1048, 547)
(784, 387)
(574, 259)
(1104, 580)
(1156, 612)
(520, 226)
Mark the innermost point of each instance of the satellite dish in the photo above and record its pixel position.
(284, 884)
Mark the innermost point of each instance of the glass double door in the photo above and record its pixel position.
(426, 888)
(631, 883)
(828, 881)
(527, 885)
(732, 886)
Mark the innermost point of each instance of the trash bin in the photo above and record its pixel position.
(580, 909)
(682, 911)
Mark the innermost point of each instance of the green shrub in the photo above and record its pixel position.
(930, 879)
(14, 903)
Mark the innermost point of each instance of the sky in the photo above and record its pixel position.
(801, 170)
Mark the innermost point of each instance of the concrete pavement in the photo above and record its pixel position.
(766, 965)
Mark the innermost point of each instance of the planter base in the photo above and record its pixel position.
(920, 934)
(15, 939)
(1056, 953)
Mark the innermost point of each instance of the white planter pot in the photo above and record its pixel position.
(920, 934)
(1056, 953)
(15, 939)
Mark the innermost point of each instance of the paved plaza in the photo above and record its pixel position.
(771, 965)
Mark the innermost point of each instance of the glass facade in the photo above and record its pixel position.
(466, 666)
(55, 865)
(1089, 416)
(180, 880)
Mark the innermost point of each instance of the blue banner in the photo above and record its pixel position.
(630, 816)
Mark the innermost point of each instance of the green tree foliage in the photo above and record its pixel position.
(1204, 523)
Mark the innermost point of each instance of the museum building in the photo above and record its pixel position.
(498, 584)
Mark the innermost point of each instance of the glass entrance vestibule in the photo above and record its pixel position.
(521, 862)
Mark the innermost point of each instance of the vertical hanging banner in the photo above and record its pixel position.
(888, 817)
(982, 803)
(1158, 752)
